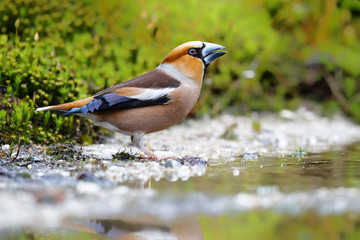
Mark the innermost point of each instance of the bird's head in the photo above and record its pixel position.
(192, 58)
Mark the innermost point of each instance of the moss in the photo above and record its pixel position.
(125, 156)
(24, 175)
(66, 152)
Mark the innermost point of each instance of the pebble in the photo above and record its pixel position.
(184, 172)
(5, 147)
(85, 176)
(236, 172)
(250, 156)
(5, 172)
(88, 188)
(287, 114)
(165, 154)
(170, 163)
(171, 177)
(35, 159)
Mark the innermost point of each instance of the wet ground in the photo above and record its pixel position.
(287, 177)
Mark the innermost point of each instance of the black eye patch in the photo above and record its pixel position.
(195, 52)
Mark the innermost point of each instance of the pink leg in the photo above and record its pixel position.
(136, 139)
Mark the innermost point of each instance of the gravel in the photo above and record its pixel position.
(230, 136)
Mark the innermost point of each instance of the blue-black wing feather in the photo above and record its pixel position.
(112, 101)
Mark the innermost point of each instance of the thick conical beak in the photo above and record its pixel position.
(210, 52)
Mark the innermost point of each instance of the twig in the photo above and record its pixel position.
(18, 151)
(335, 90)
(34, 99)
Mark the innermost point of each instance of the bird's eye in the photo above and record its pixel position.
(192, 52)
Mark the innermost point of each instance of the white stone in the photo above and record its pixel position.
(5, 147)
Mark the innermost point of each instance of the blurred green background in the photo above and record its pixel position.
(281, 54)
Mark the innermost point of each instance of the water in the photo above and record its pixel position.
(293, 196)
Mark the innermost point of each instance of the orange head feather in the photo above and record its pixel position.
(192, 58)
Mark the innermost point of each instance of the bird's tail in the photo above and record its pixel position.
(66, 106)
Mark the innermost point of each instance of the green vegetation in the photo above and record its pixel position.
(280, 54)
(125, 156)
(59, 234)
(270, 225)
(300, 153)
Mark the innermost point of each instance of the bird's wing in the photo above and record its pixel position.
(152, 88)
(155, 79)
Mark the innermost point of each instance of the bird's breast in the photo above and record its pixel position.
(185, 97)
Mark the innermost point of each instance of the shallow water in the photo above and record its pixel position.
(293, 196)
(284, 173)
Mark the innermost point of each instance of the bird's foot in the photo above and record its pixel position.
(150, 155)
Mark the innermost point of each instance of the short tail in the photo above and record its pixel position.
(66, 106)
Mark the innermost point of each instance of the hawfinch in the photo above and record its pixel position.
(153, 101)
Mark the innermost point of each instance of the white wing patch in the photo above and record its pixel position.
(153, 93)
